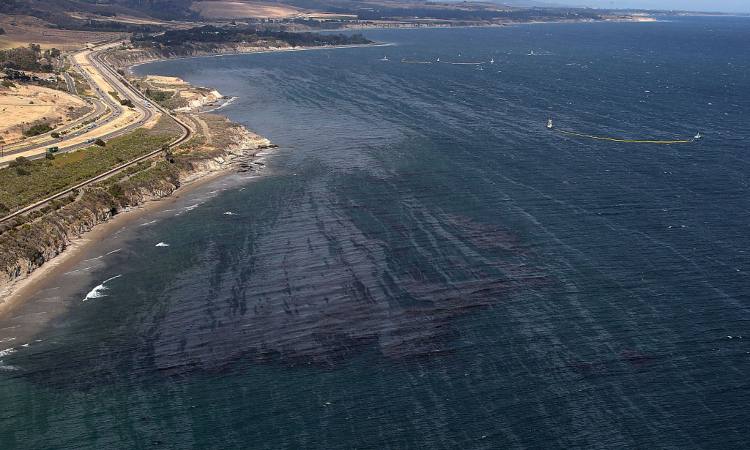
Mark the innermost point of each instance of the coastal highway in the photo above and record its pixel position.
(70, 83)
(70, 130)
(112, 118)
(121, 121)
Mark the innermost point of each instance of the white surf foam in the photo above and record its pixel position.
(99, 290)
(226, 103)
(6, 352)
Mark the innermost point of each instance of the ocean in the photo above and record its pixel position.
(421, 263)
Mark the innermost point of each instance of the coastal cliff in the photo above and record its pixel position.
(128, 56)
(27, 247)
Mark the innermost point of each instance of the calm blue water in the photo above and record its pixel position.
(422, 264)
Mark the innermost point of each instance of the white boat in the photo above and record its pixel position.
(549, 124)
(698, 136)
(384, 58)
(437, 60)
(492, 61)
(480, 68)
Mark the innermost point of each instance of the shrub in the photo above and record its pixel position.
(159, 96)
(100, 143)
(37, 129)
(8, 84)
(116, 191)
(20, 161)
(50, 156)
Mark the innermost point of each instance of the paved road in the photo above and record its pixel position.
(126, 91)
(70, 83)
(105, 102)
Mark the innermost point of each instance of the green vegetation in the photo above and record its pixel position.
(208, 36)
(8, 84)
(160, 97)
(30, 58)
(37, 129)
(475, 13)
(27, 181)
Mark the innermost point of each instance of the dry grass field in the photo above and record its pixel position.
(22, 30)
(23, 105)
(244, 9)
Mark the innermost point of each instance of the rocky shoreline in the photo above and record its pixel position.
(219, 145)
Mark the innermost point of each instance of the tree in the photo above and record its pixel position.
(100, 143)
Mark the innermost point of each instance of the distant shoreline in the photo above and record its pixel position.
(129, 67)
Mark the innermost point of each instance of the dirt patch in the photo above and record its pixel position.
(22, 30)
(183, 97)
(22, 105)
(240, 9)
(119, 18)
(167, 81)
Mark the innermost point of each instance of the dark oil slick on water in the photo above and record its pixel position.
(422, 264)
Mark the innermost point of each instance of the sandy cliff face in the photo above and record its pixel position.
(129, 57)
(195, 102)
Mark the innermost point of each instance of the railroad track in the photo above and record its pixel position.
(131, 93)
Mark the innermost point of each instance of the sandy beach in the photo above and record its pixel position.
(16, 293)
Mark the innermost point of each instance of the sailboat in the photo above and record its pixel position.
(492, 61)
(437, 60)
(698, 136)
(384, 58)
(549, 124)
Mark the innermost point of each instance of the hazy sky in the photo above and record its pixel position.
(691, 5)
